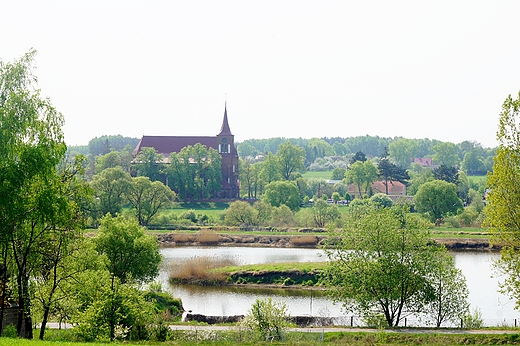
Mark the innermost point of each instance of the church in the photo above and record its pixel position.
(223, 142)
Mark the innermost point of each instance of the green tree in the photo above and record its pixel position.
(324, 213)
(36, 198)
(291, 158)
(358, 156)
(195, 172)
(270, 169)
(363, 174)
(381, 200)
(240, 213)
(451, 292)
(389, 171)
(150, 163)
(449, 174)
(148, 198)
(380, 263)
(267, 319)
(131, 255)
(446, 154)
(282, 192)
(472, 162)
(403, 151)
(502, 212)
(338, 173)
(437, 198)
(110, 188)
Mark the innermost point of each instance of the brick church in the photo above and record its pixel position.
(223, 142)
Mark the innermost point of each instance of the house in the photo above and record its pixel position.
(395, 188)
(223, 142)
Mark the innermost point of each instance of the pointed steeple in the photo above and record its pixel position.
(224, 130)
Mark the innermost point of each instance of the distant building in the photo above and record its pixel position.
(423, 161)
(224, 143)
(395, 188)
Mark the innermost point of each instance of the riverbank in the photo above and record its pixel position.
(303, 241)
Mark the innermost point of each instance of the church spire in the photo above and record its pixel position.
(224, 130)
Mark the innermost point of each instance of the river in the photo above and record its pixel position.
(497, 309)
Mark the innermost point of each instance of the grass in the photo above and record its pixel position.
(318, 174)
(200, 270)
(304, 337)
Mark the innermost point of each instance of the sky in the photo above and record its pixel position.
(417, 69)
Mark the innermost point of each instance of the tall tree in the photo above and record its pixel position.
(35, 198)
(437, 198)
(502, 212)
(449, 174)
(282, 192)
(446, 154)
(147, 198)
(110, 188)
(291, 158)
(379, 264)
(150, 163)
(389, 171)
(403, 151)
(363, 174)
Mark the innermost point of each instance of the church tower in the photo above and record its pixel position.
(229, 154)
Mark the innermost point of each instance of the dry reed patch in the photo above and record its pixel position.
(182, 238)
(200, 269)
(207, 237)
(306, 240)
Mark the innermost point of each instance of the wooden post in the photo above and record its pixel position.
(352, 321)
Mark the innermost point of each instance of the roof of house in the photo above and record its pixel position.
(394, 188)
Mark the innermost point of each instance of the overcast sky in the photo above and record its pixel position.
(417, 69)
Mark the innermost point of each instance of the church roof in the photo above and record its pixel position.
(225, 130)
(166, 145)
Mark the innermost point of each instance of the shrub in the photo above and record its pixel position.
(473, 320)
(266, 319)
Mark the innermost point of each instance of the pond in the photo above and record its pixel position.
(496, 309)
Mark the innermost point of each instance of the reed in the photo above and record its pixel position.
(207, 237)
(305, 240)
(200, 270)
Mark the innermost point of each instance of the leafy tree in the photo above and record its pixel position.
(147, 198)
(264, 211)
(472, 162)
(417, 179)
(336, 197)
(36, 198)
(324, 213)
(270, 169)
(446, 154)
(451, 292)
(267, 319)
(381, 200)
(240, 213)
(282, 192)
(131, 255)
(389, 171)
(195, 172)
(437, 198)
(403, 151)
(150, 163)
(338, 173)
(449, 174)
(282, 216)
(105, 144)
(291, 158)
(502, 212)
(380, 264)
(358, 156)
(110, 188)
(363, 174)
(339, 149)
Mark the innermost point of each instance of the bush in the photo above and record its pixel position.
(473, 320)
(267, 320)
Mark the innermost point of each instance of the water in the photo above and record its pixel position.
(496, 309)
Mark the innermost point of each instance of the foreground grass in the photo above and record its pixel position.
(305, 338)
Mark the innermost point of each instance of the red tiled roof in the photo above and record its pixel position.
(395, 188)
